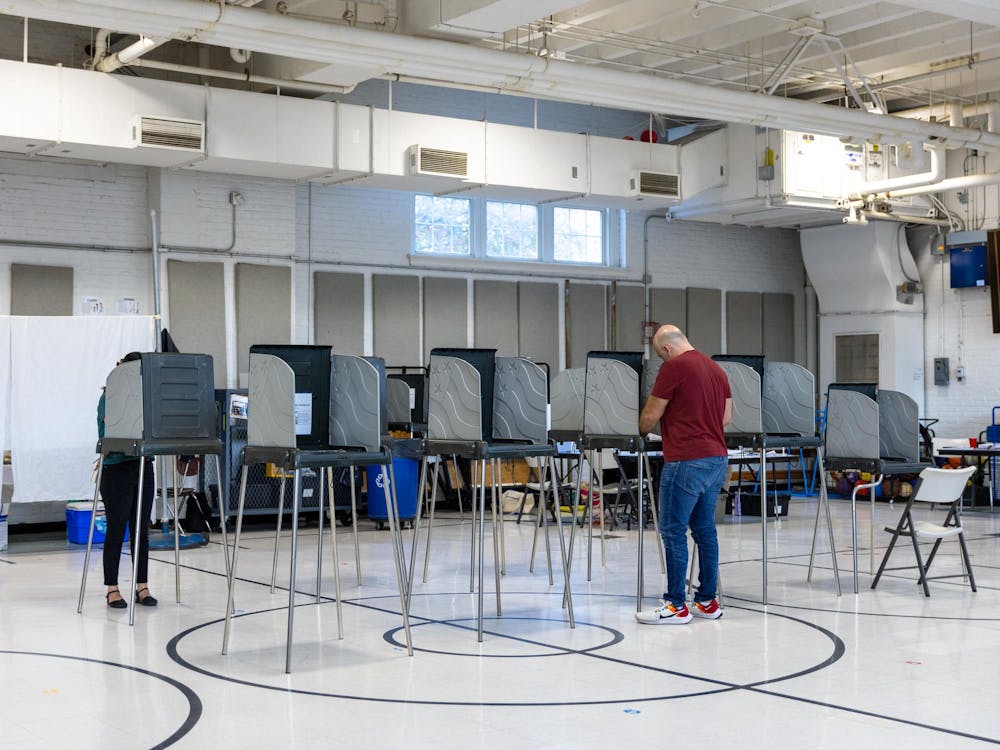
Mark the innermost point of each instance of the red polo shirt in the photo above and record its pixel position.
(697, 389)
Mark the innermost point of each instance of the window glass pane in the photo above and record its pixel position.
(511, 230)
(578, 235)
(441, 225)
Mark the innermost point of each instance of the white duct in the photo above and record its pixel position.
(953, 183)
(232, 75)
(956, 114)
(936, 174)
(510, 72)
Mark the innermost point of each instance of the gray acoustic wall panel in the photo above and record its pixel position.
(271, 403)
(538, 322)
(396, 314)
(789, 399)
(397, 400)
(445, 315)
(898, 429)
(743, 323)
(630, 309)
(198, 311)
(339, 311)
(123, 402)
(669, 306)
(611, 406)
(744, 382)
(704, 320)
(496, 316)
(566, 395)
(520, 400)
(355, 403)
(41, 290)
(178, 396)
(585, 321)
(778, 326)
(851, 425)
(263, 308)
(454, 409)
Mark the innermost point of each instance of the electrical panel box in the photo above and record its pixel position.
(941, 371)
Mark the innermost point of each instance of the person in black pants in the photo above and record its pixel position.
(119, 491)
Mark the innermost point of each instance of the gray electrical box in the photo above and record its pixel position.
(941, 371)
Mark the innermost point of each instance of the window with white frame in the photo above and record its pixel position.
(441, 226)
(577, 235)
(509, 231)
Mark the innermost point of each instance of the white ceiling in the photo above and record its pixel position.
(909, 52)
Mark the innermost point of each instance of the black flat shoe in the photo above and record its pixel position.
(117, 603)
(146, 601)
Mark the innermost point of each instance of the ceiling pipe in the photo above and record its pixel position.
(935, 175)
(232, 75)
(111, 63)
(953, 183)
(511, 72)
(956, 113)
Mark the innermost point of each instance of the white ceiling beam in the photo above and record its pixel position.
(477, 18)
(980, 11)
(464, 65)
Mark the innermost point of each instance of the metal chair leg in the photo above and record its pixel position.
(232, 567)
(90, 535)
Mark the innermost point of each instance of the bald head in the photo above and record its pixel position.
(669, 341)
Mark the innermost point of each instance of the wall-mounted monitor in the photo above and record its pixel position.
(967, 256)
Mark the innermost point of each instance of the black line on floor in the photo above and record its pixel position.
(194, 702)
(866, 614)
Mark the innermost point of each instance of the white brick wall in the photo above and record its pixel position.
(340, 227)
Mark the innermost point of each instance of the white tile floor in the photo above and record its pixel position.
(887, 668)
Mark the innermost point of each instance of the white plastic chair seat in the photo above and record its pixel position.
(928, 530)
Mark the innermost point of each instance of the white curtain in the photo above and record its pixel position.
(58, 367)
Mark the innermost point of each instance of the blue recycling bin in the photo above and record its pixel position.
(406, 471)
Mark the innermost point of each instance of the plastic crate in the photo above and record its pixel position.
(78, 523)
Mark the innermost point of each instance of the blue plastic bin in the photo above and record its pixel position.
(78, 523)
(406, 471)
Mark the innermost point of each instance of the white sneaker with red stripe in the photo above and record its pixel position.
(665, 614)
(709, 610)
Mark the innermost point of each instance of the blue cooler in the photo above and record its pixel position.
(406, 471)
(78, 523)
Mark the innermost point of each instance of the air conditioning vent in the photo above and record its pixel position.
(166, 132)
(436, 161)
(655, 184)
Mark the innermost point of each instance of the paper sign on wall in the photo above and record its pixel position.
(128, 306)
(93, 306)
(303, 413)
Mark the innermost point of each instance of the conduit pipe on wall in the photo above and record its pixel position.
(935, 175)
(511, 72)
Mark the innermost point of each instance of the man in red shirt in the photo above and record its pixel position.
(691, 402)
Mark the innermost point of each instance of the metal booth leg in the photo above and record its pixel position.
(482, 541)
(396, 531)
(430, 519)
(642, 532)
(277, 530)
(763, 521)
(354, 524)
(824, 506)
(223, 515)
(319, 540)
(328, 488)
(421, 499)
(474, 504)
(90, 535)
(177, 528)
(236, 551)
(572, 531)
(498, 493)
(296, 502)
(137, 536)
(497, 556)
(458, 487)
(588, 513)
(567, 593)
(655, 512)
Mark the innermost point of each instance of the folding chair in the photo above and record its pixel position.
(939, 486)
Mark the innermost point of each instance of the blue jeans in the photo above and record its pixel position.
(688, 493)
